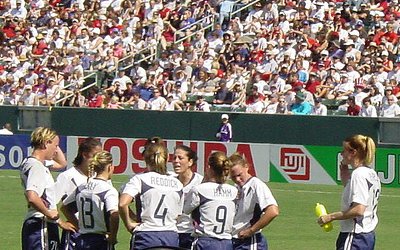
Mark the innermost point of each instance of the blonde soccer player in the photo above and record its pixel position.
(97, 205)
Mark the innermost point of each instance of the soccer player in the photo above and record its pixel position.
(212, 206)
(75, 176)
(256, 207)
(40, 229)
(362, 187)
(159, 201)
(184, 160)
(97, 205)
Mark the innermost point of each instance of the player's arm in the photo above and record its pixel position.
(59, 161)
(69, 211)
(124, 211)
(37, 203)
(356, 209)
(269, 214)
(114, 225)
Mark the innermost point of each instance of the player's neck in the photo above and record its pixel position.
(82, 169)
(186, 177)
(38, 155)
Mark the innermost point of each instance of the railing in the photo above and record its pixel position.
(242, 8)
(80, 90)
(201, 21)
(129, 58)
(211, 17)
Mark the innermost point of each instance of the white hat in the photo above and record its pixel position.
(349, 42)
(324, 52)
(385, 53)
(354, 33)
(96, 31)
(224, 116)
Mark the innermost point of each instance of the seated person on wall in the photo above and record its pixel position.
(222, 95)
(300, 106)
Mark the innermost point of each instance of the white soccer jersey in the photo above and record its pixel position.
(364, 187)
(67, 182)
(159, 200)
(36, 177)
(93, 200)
(212, 206)
(185, 222)
(253, 198)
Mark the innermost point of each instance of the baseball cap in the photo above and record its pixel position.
(300, 95)
(225, 116)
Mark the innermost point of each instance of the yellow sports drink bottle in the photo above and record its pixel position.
(319, 211)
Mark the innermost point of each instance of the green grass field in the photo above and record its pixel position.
(295, 228)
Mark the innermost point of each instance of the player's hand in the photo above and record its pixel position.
(66, 225)
(246, 233)
(131, 226)
(322, 220)
(111, 239)
(52, 214)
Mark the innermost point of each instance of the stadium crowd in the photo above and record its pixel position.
(290, 57)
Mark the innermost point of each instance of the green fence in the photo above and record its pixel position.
(258, 128)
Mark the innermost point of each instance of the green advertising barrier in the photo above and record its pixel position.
(327, 158)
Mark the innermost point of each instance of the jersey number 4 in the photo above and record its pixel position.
(160, 213)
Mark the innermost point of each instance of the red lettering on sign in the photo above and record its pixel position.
(295, 163)
(123, 152)
(245, 151)
(209, 148)
(137, 149)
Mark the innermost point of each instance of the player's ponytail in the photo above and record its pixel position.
(156, 158)
(364, 146)
(220, 165)
(99, 163)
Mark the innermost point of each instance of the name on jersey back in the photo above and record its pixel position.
(164, 182)
(222, 192)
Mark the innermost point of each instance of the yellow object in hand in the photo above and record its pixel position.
(319, 211)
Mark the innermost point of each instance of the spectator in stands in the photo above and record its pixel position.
(391, 108)
(301, 106)
(157, 102)
(319, 108)
(202, 104)
(94, 100)
(271, 107)
(7, 129)
(353, 109)
(138, 103)
(367, 109)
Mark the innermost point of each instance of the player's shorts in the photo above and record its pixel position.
(93, 242)
(68, 240)
(148, 239)
(185, 240)
(205, 243)
(37, 233)
(255, 242)
(352, 241)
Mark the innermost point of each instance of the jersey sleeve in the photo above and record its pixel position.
(111, 200)
(35, 180)
(359, 187)
(70, 198)
(264, 196)
(192, 201)
(133, 187)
